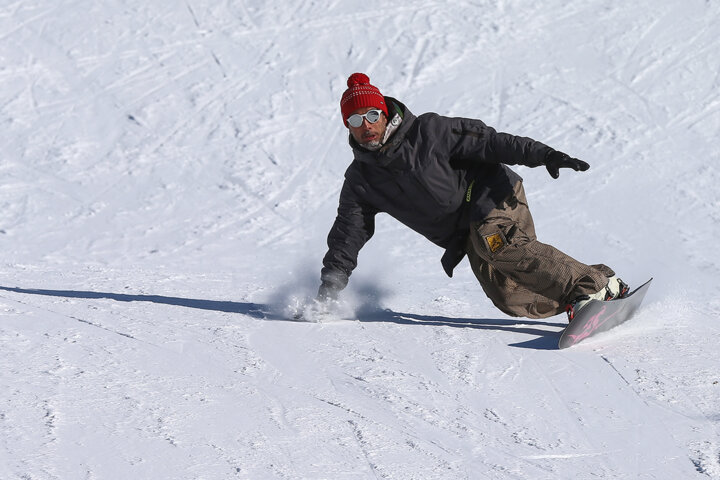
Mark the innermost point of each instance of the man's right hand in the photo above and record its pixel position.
(327, 292)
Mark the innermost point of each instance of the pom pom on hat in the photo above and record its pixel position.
(358, 79)
(359, 94)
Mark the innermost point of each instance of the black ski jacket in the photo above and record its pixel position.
(435, 174)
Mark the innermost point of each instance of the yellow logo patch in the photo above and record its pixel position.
(495, 242)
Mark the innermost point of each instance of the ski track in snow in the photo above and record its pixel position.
(170, 172)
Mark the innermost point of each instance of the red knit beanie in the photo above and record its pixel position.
(360, 94)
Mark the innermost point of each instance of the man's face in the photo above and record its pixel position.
(369, 135)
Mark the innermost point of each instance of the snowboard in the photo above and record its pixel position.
(598, 316)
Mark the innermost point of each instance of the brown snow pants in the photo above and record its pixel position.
(523, 277)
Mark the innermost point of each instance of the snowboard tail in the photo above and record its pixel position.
(598, 316)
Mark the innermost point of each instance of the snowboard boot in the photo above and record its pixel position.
(615, 288)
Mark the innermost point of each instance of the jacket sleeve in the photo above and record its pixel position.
(474, 141)
(353, 227)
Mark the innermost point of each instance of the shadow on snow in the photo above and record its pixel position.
(250, 309)
(545, 339)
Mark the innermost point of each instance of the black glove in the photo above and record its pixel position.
(327, 292)
(555, 160)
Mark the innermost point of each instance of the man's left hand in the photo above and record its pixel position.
(555, 160)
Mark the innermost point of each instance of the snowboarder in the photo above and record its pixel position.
(447, 179)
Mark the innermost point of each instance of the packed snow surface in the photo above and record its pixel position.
(169, 172)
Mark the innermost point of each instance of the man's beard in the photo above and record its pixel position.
(373, 145)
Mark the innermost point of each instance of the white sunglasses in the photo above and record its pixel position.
(356, 119)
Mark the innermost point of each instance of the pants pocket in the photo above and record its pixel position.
(495, 238)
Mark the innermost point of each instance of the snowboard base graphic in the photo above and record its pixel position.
(598, 316)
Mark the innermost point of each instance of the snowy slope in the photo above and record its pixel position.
(169, 172)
